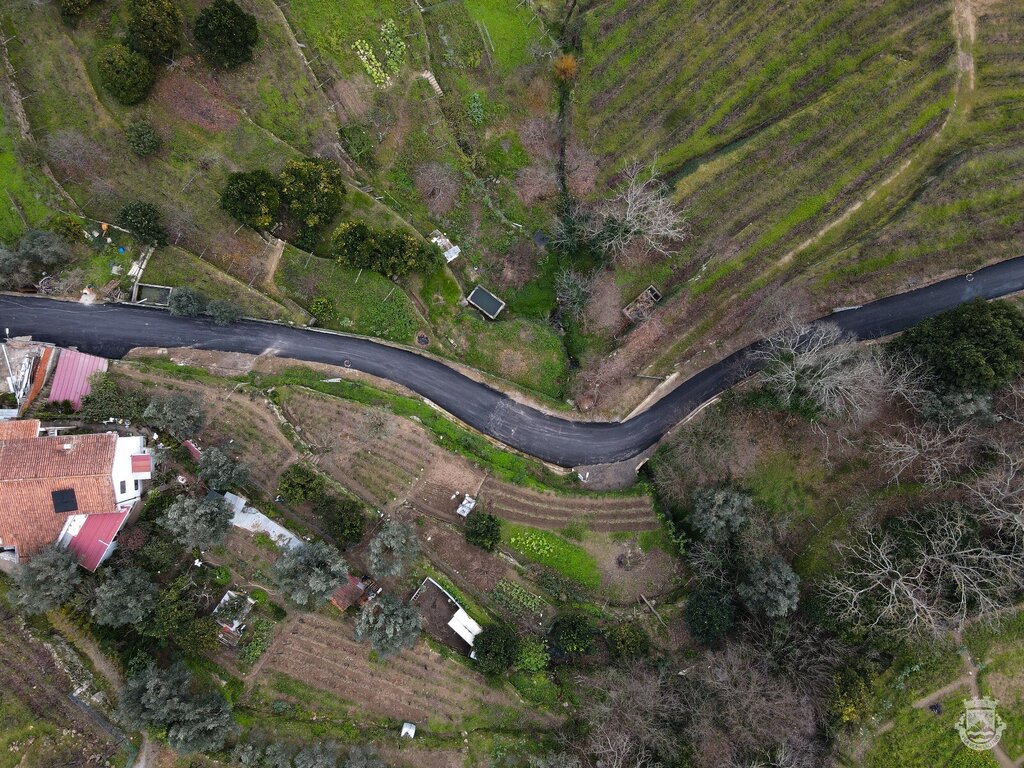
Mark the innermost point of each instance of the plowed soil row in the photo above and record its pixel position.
(416, 685)
(550, 510)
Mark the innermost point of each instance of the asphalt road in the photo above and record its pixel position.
(111, 330)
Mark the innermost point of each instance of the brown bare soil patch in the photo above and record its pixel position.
(513, 363)
(197, 103)
(604, 310)
(416, 685)
(465, 564)
(379, 468)
(627, 571)
(439, 187)
(408, 756)
(519, 265)
(350, 96)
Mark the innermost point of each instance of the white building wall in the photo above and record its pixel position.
(127, 486)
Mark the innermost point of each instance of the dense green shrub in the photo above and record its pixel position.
(144, 221)
(533, 655)
(483, 530)
(142, 138)
(573, 634)
(154, 28)
(628, 641)
(253, 198)
(313, 188)
(389, 626)
(300, 483)
(717, 513)
(709, 614)
(342, 516)
(359, 145)
(497, 648)
(70, 10)
(976, 347)
(392, 252)
(127, 75)
(225, 34)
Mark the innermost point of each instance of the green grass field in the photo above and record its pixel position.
(551, 550)
(176, 267)
(24, 189)
(366, 303)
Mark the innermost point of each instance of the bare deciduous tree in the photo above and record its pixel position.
(739, 713)
(573, 289)
(633, 716)
(438, 186)
(927, 453)
(824, 365)
(642, 212)
(934, 578)
(1000, 491)
(534, 183)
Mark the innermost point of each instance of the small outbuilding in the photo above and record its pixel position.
(444, 619)
(486, 302)
(450, 250)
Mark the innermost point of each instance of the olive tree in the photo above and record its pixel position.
(220, 472)
(126, 597)
(720, 512)
(309, 573)
(179, 414)
(197, 523)
(771, 588)
(47, 581)
(394, 549)
(186, 302)
(167, 699)
(388, 625)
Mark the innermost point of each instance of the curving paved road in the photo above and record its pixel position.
(111, 330)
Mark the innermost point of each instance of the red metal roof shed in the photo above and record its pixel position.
(91, 543)
(71, 379)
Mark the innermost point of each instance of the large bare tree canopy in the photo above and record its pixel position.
(930, 574)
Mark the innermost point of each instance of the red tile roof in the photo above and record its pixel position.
(11, 430)
(31, 469)
(71, 379)
(91, 542)
(142, 463)
(61, 456)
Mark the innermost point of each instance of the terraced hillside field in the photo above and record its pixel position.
(415, 685)
(398, 459)
(968, 207)
(773, 123)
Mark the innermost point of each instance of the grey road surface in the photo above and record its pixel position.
(111, 330)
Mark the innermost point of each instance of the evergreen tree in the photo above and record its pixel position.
(126, 597)
(388, 625)
(47, 581)
(226, 34)
(309, 573)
